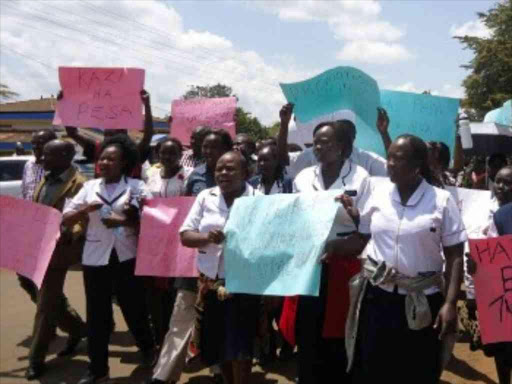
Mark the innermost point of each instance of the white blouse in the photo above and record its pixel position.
(410, 237)
(160, 187)
(208, 213)
(100, 240)
(352, 178)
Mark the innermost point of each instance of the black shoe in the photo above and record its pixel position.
(71, 345)
(156, 381)
(34, 371)
(91, 378)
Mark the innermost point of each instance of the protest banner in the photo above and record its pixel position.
(334, 92)
(430, 117)
(475, 207)
(493, 287)
(273, 243)
(29, 233)
(502, 115)
(106, 98)
(159, 252)
(215, 113)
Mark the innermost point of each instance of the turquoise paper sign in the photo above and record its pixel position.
(274, 243)
(501, 115)
(430, 117)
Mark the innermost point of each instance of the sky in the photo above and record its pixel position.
(249, 45)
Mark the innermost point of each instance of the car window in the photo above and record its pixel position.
(11, 170)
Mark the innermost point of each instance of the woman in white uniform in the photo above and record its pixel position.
(110, 203)
(320, 320)
(398, 311)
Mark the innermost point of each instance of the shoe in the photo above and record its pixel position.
(71, 345)
(148, 358)
(34, 371)
(91, 378)
(156, 381)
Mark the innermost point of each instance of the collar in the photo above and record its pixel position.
(221, 203)
(62, 178)
(416, 196)
(346, 169)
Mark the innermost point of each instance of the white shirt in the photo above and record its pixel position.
(100, 240)
(371, 162)
(352, 177)
(410, 238)
(160, 187)
(210, 212)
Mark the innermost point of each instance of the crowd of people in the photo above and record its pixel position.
(381, 317)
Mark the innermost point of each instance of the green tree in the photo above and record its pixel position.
(6, 93)
(245, 123)
(489, 84)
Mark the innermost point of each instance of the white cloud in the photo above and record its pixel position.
(374, 52)
(144, 34)
(447, 90)
(471, 28)
(355, 22)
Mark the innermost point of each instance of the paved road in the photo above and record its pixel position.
(16, 317)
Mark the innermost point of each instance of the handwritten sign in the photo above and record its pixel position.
(430, 117)
(335, 91)
(273, 243)
(189, 114)
(493, 286)
(159, 252)
(107, 98)
(29, 233)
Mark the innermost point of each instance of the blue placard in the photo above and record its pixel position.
(431, 118)
(501, 115)
(274, 243)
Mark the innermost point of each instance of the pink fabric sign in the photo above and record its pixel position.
(107, 98)
(493, 287)
(160, 252)
(28, 234)
(189, 114)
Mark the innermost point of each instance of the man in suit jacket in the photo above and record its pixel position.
(61, 182)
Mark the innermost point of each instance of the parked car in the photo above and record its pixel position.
(11, 173)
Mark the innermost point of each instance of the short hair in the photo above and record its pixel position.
(273, 149)
(225, 138)
(128, 149)
(49, 134)
(444, 154)
(251, 142)
(244, 163)
(419, 156)
(344, 131)
(170, 140)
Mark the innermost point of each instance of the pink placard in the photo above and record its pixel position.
(28, 234)
(493, 287)
(107, 98)
(160, 252)
(189, 114)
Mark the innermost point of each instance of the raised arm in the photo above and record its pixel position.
(383, 127)
(285, 115)
(148, 127)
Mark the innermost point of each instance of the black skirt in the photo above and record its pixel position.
(228, 328)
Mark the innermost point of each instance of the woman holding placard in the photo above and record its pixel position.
(228, 323)
(501, 225)
(396, 300)
(110, 204)
(320, 320)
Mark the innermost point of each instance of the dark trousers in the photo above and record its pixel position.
(28, 286)
(319, 359)
(160, 303)
(53, 310)
(101, 282)
(387, 350)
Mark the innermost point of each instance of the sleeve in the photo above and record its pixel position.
(195, 215)
(300, 161)
(24, 192)
(453, 231)
(143, 190)
(189, 184)
(78, 201)
(365, 206)
(378, 166)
